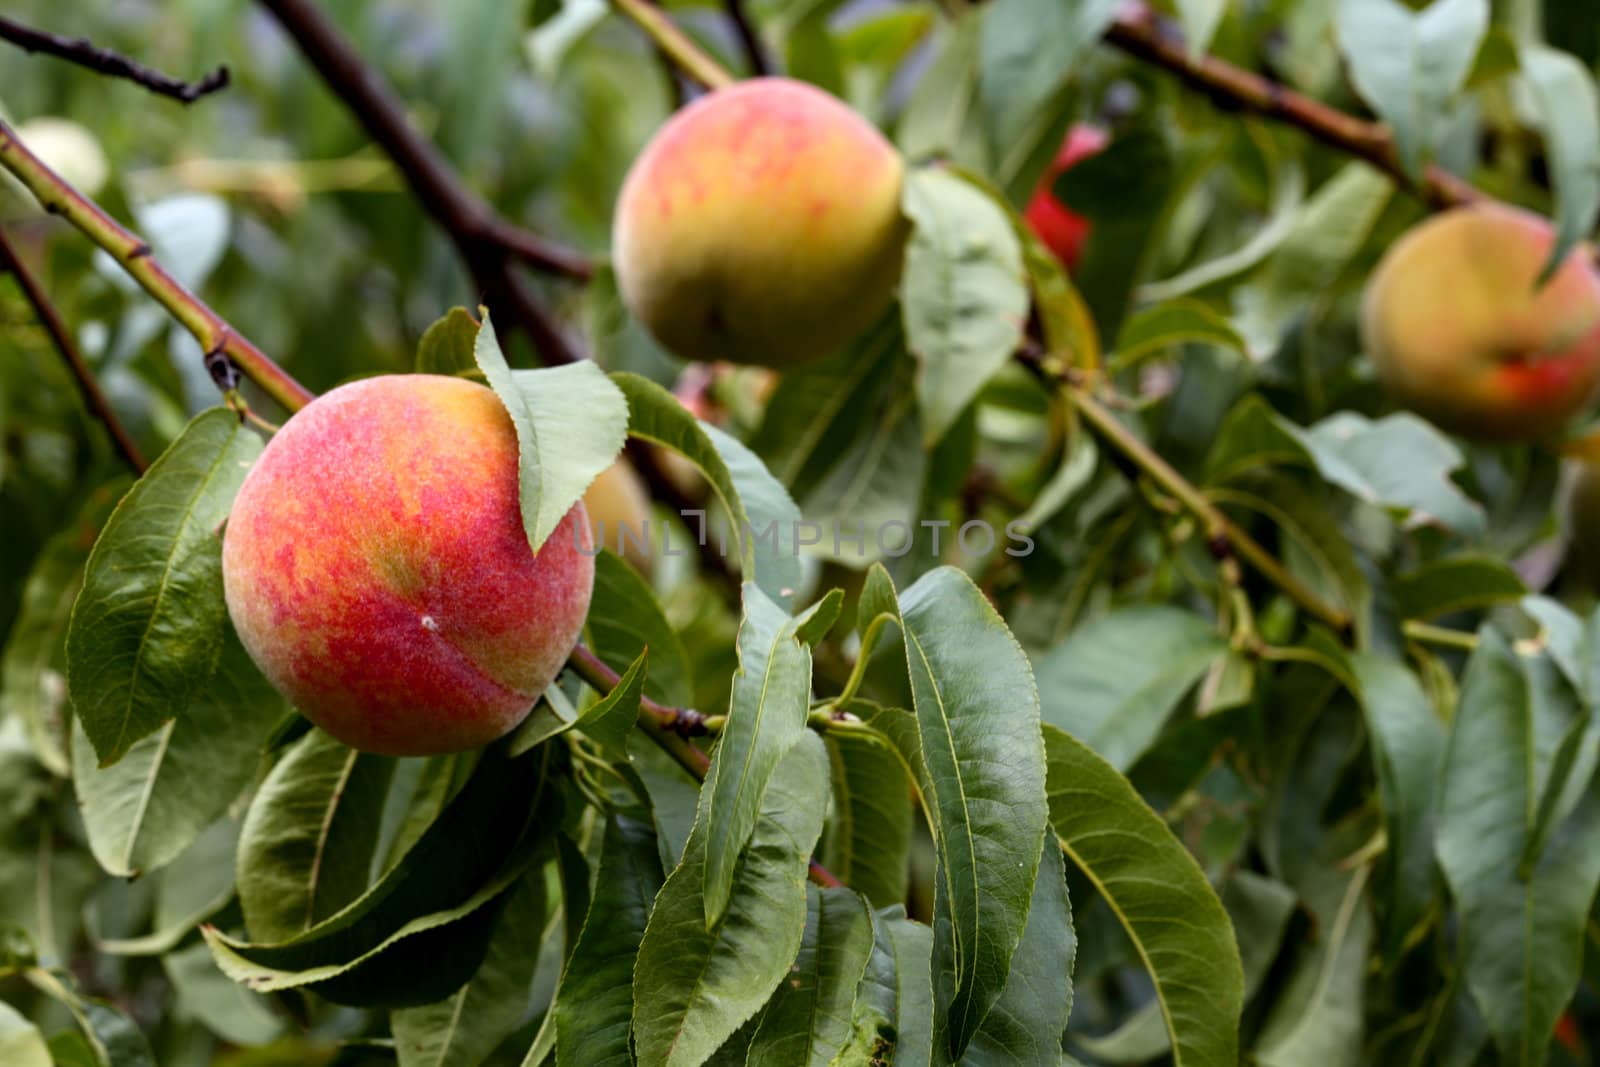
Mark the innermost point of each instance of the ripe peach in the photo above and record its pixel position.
(760, 225)
(1062, 230)
(376, 568)
(619, 514)
(1462, 333)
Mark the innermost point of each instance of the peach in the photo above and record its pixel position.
(376, 568)
(619, 514)
(1063, 230)
(1462, 333)
(760, 225)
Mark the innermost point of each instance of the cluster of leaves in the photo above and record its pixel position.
(1112, 799)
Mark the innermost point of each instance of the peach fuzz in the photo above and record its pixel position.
(376, 568)
(1462, 333)
(760, 225)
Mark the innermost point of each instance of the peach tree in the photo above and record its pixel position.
(1039, 532)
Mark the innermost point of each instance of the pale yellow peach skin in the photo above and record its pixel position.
(619, 515)
(760, 225)
(376, 568)
(1462, 334)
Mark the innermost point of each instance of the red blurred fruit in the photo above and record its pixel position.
(1063, 231)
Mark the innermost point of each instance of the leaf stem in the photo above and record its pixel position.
(662, 725)
(227, 351)
(1439, 635)
(678, 46)
(93, 397)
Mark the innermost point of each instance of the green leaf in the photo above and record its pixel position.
(1029, 50)
(1182, 321)
(190, 889)
(447, 346)
(1288, 191)
(625, 619)
(766, 715)
(693, 987)
(571, 422)
(1259, 909)
(1200, 19)
(977, 714)
(33, 667)
(1521, 934)
(909, 948)
(1563, 92)
(610, 720)
(309, 836)
(1318, 1016)
(464, 1028)
(146, 630)
(762, 515)
(964, 294)
(844, 435)
(1026, 1023)
(1146, 877)
(1355, 454)
(868, 844)
(1116, 680)
(1408, 750)
(1455, 583)
(1409, 65)
(594, 1009)
(1324, 237)
(113, 1038)
(440, 901)
(144, 810)
(227, 1009)
(810, 1019)
(21, 1044)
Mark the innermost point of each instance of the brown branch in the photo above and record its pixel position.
(755, 53)
(670, 728)
(1147, 37)
(487, 243)
(113, 64)
(88, 388)
(693, 60)
(228, 353)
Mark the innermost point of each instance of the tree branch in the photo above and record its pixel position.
(1144, 35)
(1225, 536)
(486, 242)
(669, 728)
(227, 351)
(755, 53)
(88, 388)
(104, 61)
(690, 57)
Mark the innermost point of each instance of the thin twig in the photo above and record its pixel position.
(487, 243)
(693, 60)
(665, 727)
(1143, 34)
(93, 398)
(755, 52)
(1224, 535)
(86, 53)
(228, 353)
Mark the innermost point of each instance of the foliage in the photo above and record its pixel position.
(1006, 749)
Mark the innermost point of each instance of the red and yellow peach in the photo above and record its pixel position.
(376, 568)
(760, 225)
(1461, 331)
(1063, 230)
